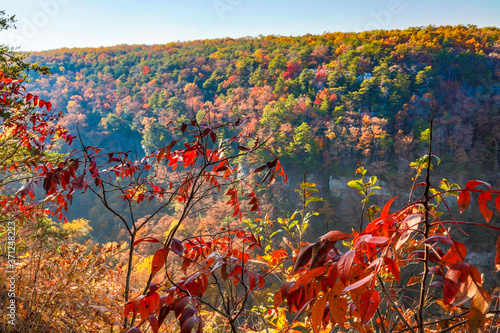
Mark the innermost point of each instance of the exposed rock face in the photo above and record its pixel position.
(484, 260)
(338, 187)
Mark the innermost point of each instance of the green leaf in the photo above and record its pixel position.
(276, 232)
(293, 224)
(313, 199)
(356, 184)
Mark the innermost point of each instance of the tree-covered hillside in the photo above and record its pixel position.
(330, 100)
(196, 233)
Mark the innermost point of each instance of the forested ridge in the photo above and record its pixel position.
(319, 183)
(331, 99)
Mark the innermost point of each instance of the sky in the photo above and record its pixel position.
(51, 24)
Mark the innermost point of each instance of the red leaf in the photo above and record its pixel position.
(455, 254)
(439, 238)
(376, 240)
(359, 283)
(177, 246)
(320, 252)
(152, 288)
(187, 313)
(369, 302)
(475, 183)
(179, 305)
(334, 236)
(272, 164)
(497, 203)
(243, 148)
(393, 268)
(163, 314)
(436, 270)
(154, 323)
(48, 106)
(262, 282)
(213, 136)
(259, 169)
(483, 205)
(463, 201)
(303, 257)
(158, 260)
(344, 265)
(188, 324)
(251, 278)
(437, 284)
(455, 277)
(146, 239)
(385, 210)
(129, 308)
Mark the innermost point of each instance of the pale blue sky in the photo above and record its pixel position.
(49, 24)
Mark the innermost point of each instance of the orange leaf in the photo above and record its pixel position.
(337, 304)
(160, 154)
(370, 300)
(318, 311)
(456, 253)
(478, 309)
(307, 277)
(414, 280)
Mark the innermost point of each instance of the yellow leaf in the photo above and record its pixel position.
(281, 322)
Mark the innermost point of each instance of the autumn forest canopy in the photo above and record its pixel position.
(343, 182)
